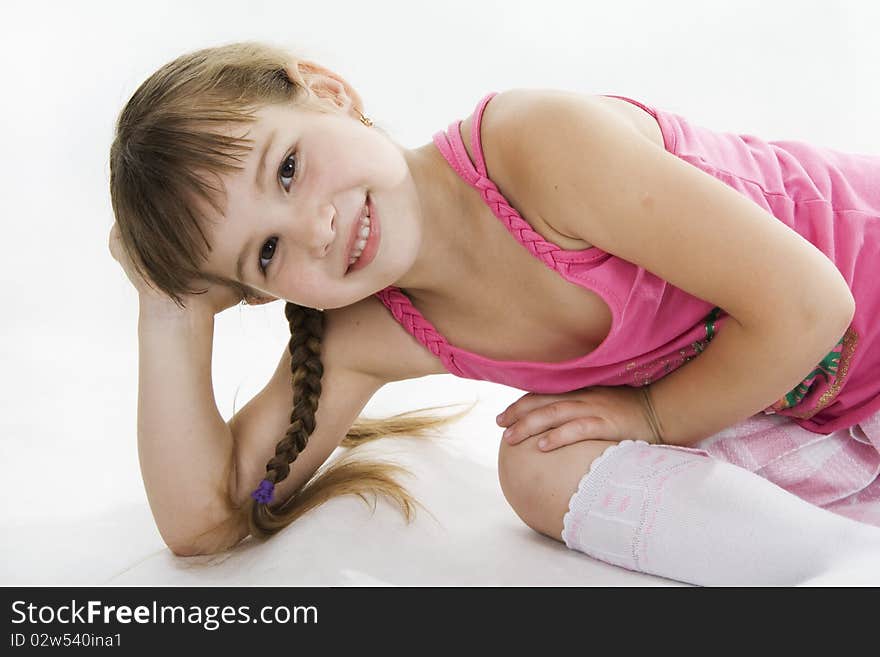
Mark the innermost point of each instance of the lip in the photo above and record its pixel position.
(371, 246)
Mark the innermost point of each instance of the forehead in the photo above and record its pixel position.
(252, 134)
(270, 117)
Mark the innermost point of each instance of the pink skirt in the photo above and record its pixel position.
(838, 472)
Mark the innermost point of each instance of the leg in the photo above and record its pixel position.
(834, 471)
(679, 514)
(538, 485)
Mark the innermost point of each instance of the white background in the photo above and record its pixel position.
(68, 356)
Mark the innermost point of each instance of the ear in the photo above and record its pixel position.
(327, 84)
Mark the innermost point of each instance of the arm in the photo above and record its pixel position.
(194, 463)
(741, 372)
(184, 445)
(610, 186)
(258, 427)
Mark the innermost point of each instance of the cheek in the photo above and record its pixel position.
(307, 288)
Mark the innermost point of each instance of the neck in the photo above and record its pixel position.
(450, 255)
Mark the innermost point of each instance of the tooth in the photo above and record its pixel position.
(354, 256)
(364, 232)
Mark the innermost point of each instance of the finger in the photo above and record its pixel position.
(114, 242)
(525, 405)
(545, 417)
(583, 428)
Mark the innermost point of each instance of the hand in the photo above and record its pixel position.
(592, 413)
(114, 243)
(217, 298)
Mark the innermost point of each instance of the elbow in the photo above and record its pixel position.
(181, 548)
(847, 309)
(207, 547)
(222, 537)
(849, 314)
(824, 298)
(184, 551)
(847, 303)
(179, 545)
(840, 305)
(836, 315)
(850, 307)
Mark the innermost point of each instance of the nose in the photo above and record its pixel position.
(317, 232)
(331, 237)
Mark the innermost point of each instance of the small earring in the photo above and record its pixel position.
(367, 122)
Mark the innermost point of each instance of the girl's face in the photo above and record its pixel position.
(292, 210)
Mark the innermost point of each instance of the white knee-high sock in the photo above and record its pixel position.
(681, 514)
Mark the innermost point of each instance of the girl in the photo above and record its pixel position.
(612, 244)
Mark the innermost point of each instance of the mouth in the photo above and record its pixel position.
(358, 249)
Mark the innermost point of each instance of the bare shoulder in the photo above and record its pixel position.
(512, 125)
(515, 124)
(364, 337)
(521, 114)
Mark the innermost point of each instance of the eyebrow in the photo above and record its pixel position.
(258, 181)
(262, 164)
(239, 264)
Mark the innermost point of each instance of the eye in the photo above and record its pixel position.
(287, 170)
(267, 252)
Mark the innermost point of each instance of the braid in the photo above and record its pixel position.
(306, 333)
(165, 143)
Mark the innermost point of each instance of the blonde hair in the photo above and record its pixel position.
(168, 145)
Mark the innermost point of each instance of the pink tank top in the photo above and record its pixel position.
(829, 197)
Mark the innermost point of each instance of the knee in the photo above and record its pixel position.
(539, 485)
(523, 475)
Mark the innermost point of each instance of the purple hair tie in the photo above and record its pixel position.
(264, 492)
